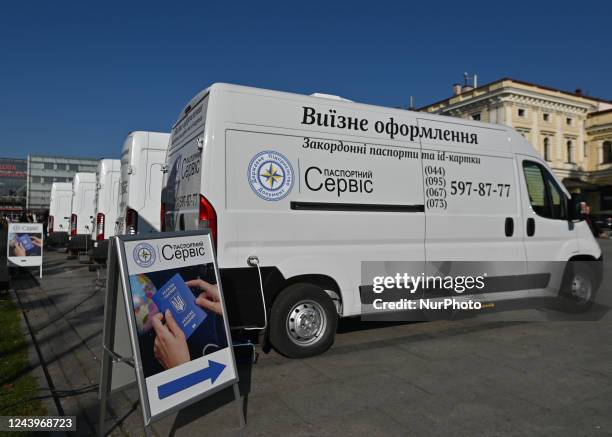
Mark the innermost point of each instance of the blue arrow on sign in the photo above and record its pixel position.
(211, 372)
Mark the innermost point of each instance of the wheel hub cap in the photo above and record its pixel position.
(581, 289)
(306, 322)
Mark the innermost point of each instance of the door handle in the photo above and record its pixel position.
(509, 227)
(530, 227)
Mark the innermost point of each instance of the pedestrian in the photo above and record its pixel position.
(44, 219)
(585, 209)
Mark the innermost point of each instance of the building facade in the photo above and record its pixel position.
(12, 187)
(571, 131)
(599, 134)
(42, 171)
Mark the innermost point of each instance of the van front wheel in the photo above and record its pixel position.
(579, 287)
(303, 321)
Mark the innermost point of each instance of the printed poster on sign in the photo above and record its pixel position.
(181, 333)
(25, 244)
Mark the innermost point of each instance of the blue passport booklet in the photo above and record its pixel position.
(175, 296)
(25, 241)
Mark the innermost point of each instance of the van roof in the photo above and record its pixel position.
(109, 165)
(517, 143)
(61, 186)
(83, 178)
(137, 140)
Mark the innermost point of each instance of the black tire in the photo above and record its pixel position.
(296, 335)
(579, 287)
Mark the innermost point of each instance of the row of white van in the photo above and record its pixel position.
(122, 197)
(313, 186)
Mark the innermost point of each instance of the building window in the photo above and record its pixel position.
(524, 133)
(546, 116)
(476, 116)
(568, 121)
(48, 166)
(62, 166)
(547, 149)
(73, 167)
(570, 151)
(521, 112)
(607, 152)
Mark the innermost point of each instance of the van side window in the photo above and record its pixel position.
(545, 196)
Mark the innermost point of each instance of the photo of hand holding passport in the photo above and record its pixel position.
(182, 314)
(25, 244)
(184, 317)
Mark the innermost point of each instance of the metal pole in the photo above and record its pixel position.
(107, 338)
(240, 403)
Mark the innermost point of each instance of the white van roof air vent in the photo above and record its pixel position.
(330, 97)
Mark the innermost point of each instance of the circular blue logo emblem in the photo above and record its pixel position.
(144, 255)
(270, 175)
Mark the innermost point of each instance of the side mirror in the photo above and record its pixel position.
(574, 212)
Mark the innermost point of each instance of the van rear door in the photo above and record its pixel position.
(186, 151)
(62, 221)
(124, 185)
(148, 215)
(88, 208)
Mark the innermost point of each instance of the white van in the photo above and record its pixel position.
(314, 185)
(81, 212)
(58, 223)
(142, 161)
(107, 204)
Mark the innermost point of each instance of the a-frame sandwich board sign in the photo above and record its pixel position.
(165, 324)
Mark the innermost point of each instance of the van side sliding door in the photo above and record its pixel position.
(473, 222)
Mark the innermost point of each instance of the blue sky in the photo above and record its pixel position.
(76, 77)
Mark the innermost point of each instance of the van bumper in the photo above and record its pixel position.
(598, 266)
(57, 239)
(100, 251)
(79, 243)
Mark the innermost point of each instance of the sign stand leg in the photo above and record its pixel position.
(40, 273)
(106, 368)
(110, 301)
(240, 403)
